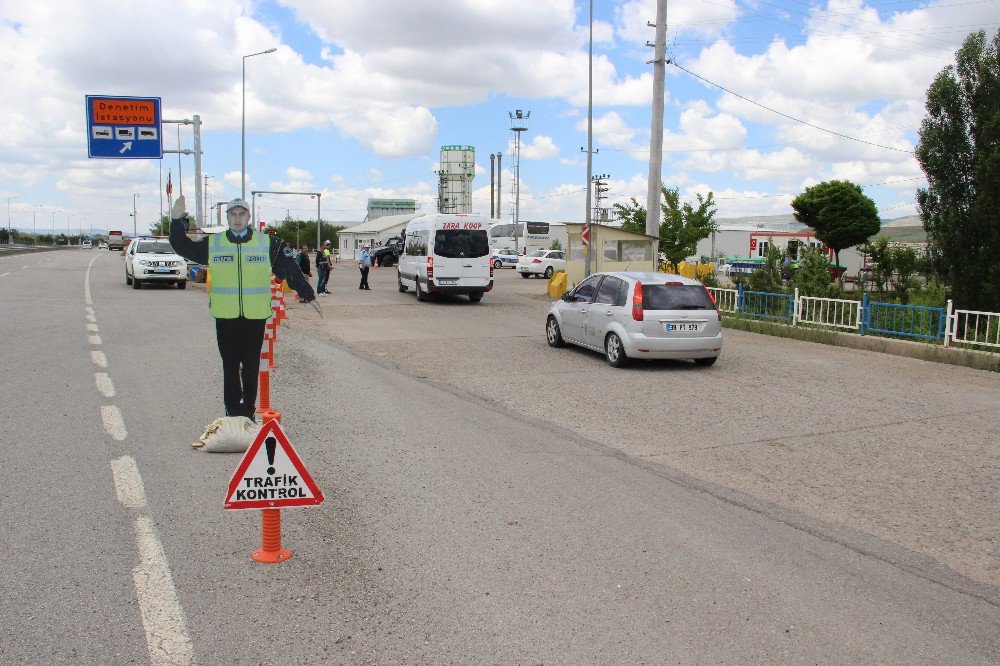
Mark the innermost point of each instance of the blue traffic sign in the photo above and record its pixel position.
(124, 128)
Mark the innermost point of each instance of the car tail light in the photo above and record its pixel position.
(718, 313)
(536, 261)
(430, 267)
(637, 302)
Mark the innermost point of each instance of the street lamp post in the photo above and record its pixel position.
(135, 230)
(54, 225)
(243, 130)
(10, 236)
(34, 222)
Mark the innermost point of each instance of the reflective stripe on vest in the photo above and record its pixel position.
(241, 277)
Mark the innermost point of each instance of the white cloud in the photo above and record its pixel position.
(539, 148)
(695, 16)
(298, 174)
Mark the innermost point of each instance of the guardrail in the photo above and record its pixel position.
(9, 251)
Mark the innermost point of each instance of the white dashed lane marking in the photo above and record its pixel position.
(104, 384)
(4, 274)
(99, 359)
(128, 483)
(94, 339)
(92, 328)
(113, 422)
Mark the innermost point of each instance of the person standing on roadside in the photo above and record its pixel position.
(241, 262)
(364, 265)
(323, 269)
(305, 265)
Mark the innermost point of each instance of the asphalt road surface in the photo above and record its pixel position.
(454, 530)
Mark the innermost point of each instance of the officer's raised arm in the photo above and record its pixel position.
(196, 251)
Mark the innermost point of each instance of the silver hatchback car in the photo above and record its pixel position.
(638, 316)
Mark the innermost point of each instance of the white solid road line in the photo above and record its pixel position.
(104, 384)
(128, 483)
(113, 422)
(162, 616)
(99, 359)
(86, 283)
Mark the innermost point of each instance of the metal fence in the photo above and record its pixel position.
(835, 312)
(971, 327)
(909, 321)
(725, 299)
(765, 305)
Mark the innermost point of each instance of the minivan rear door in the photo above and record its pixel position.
(462, 253)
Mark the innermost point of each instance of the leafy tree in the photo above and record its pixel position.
(681, 226)
(839, 212)
(161, 227)
(768, 276)
(880, 258)
(556, 245)
(958, 152)
(303, 232)
(905, 265)
(812, 277)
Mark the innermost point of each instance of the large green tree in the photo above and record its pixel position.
(959, 151)
(839, 212)
(681, 225)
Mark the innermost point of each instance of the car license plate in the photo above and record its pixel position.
(446, 281)
(161, 270)
(682, 327)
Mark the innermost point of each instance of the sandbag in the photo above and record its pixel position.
(229, 434)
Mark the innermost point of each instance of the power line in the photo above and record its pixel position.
(785, 115)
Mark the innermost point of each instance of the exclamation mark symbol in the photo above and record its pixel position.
(270, 443)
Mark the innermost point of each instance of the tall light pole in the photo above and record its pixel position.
(54, 225)
(518, 124)
(10, 237)
(69, 230)
(243, 131)
(135, 229)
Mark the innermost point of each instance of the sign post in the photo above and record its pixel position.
(124, 128)
(271, 476)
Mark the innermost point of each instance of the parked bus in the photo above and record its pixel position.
(527, 237)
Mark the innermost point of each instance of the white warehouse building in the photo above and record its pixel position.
(372, 233)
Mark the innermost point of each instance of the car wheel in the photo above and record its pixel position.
(497, 263)
(402, 287)
(706, 362)
(182, 284)
(553, 334)
(421, 294)
(128, 280)
(548, 272)
(476, 297)
(614, 351)
(525, 275)
(136, 284)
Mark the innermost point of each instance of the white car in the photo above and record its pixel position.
(638, 316)
(102, 246)
(541, 262)
(154, 260)
(505, 257)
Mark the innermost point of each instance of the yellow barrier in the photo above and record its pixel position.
(694, 271)
(557, 284)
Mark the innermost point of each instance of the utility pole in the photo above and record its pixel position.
(204, 195)
(585, 233)
(659, 63)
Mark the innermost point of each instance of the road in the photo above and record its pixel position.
(455, 529)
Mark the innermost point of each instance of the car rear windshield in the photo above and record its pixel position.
(454, 243)
(155, 248)
(675, 297)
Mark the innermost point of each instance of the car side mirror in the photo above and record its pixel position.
(567, 296)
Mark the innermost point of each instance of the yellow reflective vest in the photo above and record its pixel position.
(241, 276)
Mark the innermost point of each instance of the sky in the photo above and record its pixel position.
(359, 97)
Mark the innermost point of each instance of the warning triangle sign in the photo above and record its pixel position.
(271, 475)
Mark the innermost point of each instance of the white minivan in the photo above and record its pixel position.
(446, 254)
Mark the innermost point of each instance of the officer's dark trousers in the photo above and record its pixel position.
(364, 278)
(240, 341)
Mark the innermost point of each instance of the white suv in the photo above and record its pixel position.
(541, 262)
(154, 260)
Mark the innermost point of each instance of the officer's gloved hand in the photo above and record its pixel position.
(179, 210)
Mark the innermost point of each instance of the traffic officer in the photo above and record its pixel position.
(241, 262)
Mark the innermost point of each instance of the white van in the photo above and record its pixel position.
(446, 254)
